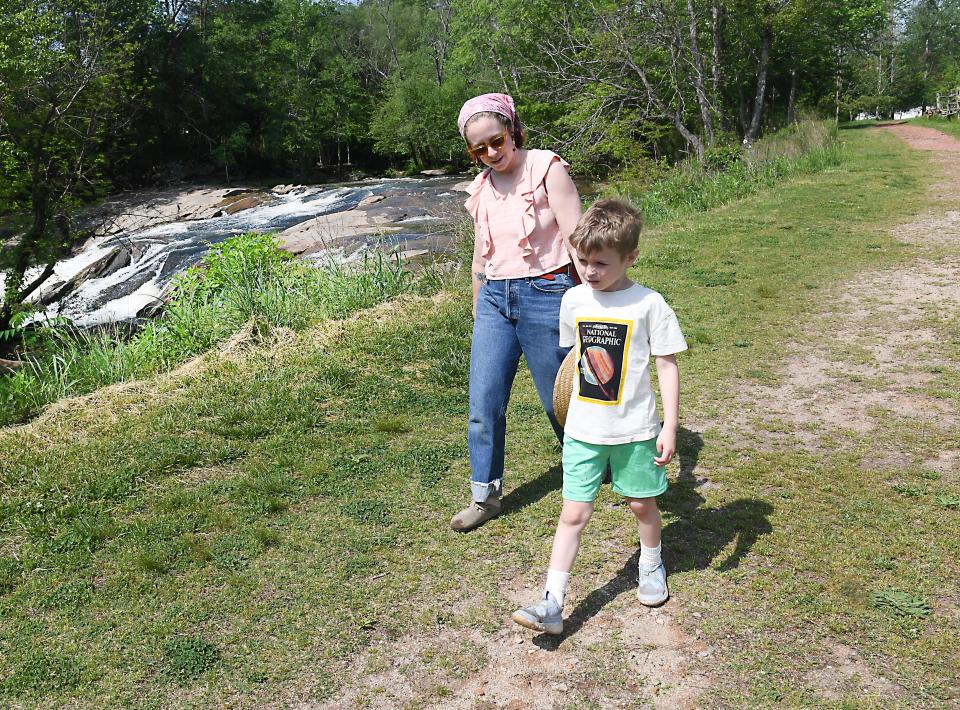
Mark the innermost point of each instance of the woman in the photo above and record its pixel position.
(525, 207)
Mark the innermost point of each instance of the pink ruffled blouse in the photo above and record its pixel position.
(518, 232)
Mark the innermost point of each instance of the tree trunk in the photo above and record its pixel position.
(753, 132)
(741, 107)
(499, 66)
(839, 79)
(792, 98)
(692, 139)
(717, 40)
(698, 77)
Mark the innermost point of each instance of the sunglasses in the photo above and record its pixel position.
(497, 142)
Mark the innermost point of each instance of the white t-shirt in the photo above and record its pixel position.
(616, 333)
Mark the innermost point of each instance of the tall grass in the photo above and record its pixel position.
(731, 172)
(243, 279)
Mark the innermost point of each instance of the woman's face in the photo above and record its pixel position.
(484, 131)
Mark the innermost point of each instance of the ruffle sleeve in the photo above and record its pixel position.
(533, 191)
(477, 210)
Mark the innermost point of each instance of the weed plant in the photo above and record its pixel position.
(247, 278)
(730, 172)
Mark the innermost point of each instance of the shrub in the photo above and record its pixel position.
(730, 172)
(246, 278)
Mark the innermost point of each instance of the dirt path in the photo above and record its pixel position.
(882, 344)
(883, 348)
(868, 362)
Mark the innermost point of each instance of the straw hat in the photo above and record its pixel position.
(563, 386)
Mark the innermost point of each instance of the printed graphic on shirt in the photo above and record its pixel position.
(603, 349)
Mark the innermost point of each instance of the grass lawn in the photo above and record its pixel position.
(239, 532)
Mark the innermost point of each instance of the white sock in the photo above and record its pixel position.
(557, 584)
(649, 556)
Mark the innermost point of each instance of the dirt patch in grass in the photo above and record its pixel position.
(868, 359)
(618, 656)
(844, 672)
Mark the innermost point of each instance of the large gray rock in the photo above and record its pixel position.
(324, 231)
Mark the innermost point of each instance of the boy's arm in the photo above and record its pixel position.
(668, 375)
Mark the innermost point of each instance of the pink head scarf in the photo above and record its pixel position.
(494, 103)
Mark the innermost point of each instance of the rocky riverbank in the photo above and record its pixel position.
(142, 239)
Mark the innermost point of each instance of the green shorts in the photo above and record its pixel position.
(635, 475)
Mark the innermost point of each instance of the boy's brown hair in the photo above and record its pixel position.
(608, 224)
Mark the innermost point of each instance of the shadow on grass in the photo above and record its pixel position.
(693, 541)
(533, 490)
(871, 124)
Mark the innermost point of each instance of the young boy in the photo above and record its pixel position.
(616, 325)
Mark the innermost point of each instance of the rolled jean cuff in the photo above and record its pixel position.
(482, 491)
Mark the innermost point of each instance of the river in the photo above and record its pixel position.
(121, 273)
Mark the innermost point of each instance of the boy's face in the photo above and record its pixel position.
(606, 269)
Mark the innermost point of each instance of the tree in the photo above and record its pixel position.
(65, 80)
(409, 44)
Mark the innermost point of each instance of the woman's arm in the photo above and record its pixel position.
(565, 203)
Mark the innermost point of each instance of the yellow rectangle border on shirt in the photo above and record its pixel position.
(626, 355)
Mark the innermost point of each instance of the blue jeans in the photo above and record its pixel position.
(514, 316)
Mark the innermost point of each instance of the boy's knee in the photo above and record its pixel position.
(643, 506)
(577, 517)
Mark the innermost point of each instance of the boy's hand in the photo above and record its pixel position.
(666, 447)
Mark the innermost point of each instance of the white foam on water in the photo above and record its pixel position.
(424, 218)
(68, 268)
(166, 230)
(293, 206)
(120, 309)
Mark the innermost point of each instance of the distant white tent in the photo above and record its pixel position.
(897, 115)
(909, 113)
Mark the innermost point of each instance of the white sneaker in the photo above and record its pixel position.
(652, 585)
(546, 616)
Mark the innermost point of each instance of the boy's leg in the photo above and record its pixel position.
(583, 466)
(566, 541)
(651, 574)
(649, 523)
(640, 480)
(547, 614)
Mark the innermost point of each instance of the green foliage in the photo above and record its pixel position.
(806, 147)
(37, 672)
(900, 603)
(415, 121)
(189, 657)
(949, 500)
(66, 75)
(372, 512)
(719, 158)
(10, 571)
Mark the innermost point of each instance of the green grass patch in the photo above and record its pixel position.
(246, 280)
